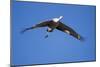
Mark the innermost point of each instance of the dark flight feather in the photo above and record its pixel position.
(62, 27)
(42, 24)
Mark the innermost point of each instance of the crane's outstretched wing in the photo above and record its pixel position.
(64, 28)
(42, 24)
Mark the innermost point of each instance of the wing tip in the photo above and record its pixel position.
(79, 37)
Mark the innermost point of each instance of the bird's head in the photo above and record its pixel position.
(57, 19)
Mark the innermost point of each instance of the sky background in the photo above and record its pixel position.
(32, 48)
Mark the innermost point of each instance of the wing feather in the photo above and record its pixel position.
(64, 28)
(42, 24)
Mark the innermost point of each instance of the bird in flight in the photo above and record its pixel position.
(55, 23)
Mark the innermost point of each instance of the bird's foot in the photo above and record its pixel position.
(46, 36)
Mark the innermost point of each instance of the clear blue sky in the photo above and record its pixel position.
(32, 48)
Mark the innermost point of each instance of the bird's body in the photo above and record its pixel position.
(55, 24)
(52, 25)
